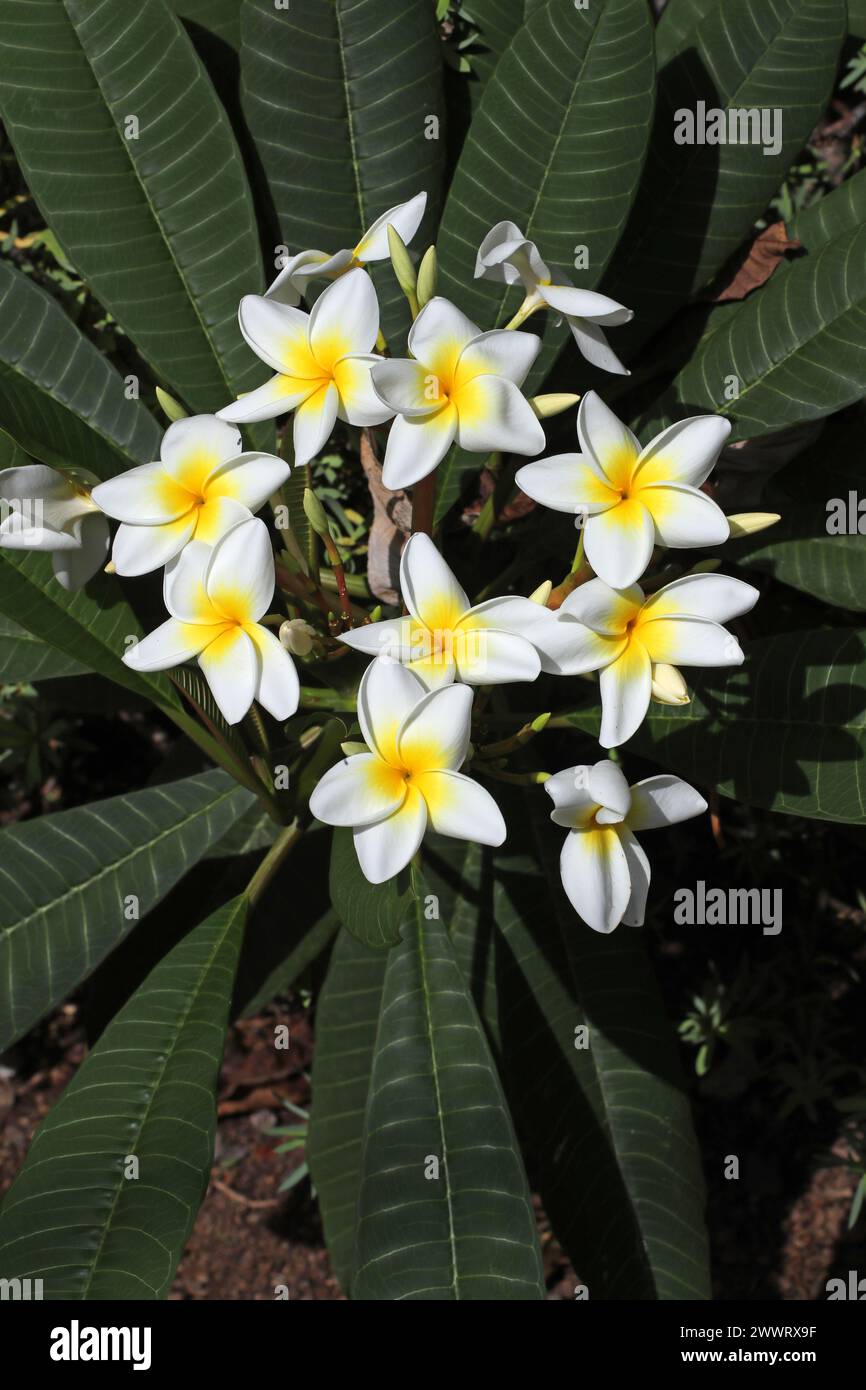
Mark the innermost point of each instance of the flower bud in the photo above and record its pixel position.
(668, 686)
(315, 513)
(747, 523)
(297, 636)
(553, 404)
(402, 263)
(542, 593)
(172, 408)
(428, 275)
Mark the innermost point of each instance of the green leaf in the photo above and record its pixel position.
(468, 1230)
(338, 95)
(221, 18)
(69, 881)
(60, 399)
(347, 1016)
(676, 27)
(24, 658)
(699, 201)
(796, 349)
(786, 731)
(607, 1127)
(76, 1216)
(544, 152)
(373, 912)
(494, 24)
(172, 186)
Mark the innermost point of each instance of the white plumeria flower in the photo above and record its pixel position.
(216, 596)
(41, 509)
(460, 384)
(202, 485)
(629, 499)
(445, 639)
(409, 778)
(634, 641)
(291, 283)
(506, 255)
(604, 870)
(322, 361)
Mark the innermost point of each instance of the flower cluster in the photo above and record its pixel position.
(192, 512)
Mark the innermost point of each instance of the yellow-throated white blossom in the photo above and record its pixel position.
(216, 596)
(322, 362)
(632, 640)
(459, 385)
(291, 283)
(444, 638)
(629, 499)
(42, 509)
(507, 256)
(409, 779)
(202, 485)
(605, 873)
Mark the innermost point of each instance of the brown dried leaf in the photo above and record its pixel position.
(755, 266)
(392, 523)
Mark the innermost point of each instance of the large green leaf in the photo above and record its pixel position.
(677, 25)
(111, 1185)
(699, 201)
(796, 350)
(70, 881)
(338, 96)
(222, 18)
(786, 731)
(606, 1126)
(60, 399)
(444, 1210)
(347, 1016)
(156, 216)
(372, 912)
(24, 657)
(544, 152)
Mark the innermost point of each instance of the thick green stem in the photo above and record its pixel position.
(283, 844)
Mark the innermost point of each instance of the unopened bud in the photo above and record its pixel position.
(172, 408)
(297, 636)
(402, 263)
(315, 513)
(350, 748)
(668, 686)
(553, 404)
(428, 276)
(542, 593)
(747, 523)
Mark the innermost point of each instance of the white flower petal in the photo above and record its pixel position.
(314, 420)
(683, 516)
(195, 447)
(487, 657)
(435, 733)
(345, 319)
(406, 386)
(685, 452)
(170, 644)
(415, 447)
(609, 788)
(572, 483)
(493, 414)
(573, 804)
(405, 218)
(690, 642)
(230, 666)
(439, 335)
(291, 282)
(278, 689)
(249, 479)
(714, 596)
(359, 403)
(140, 549)
(639, 874)
(569, 648)
(605, 438)
(619, 542)
(594, 347)
(595, 876)
(143, 496)
(360, 790)
(278, 334)
(586, 304)
(240, 575)
(500, 352)
(386, 695)
(430, 590)
(388, 846)
(625, 695)
(392, 637)
(459, 807)
(184, 588)
(277, 397)
(217, 516)
(663, 800)
(602, 608)
(507, 255)
(73, 568)
(510, 613)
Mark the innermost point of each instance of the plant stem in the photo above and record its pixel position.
(326, 699)
(283, 844)
(423, 499)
